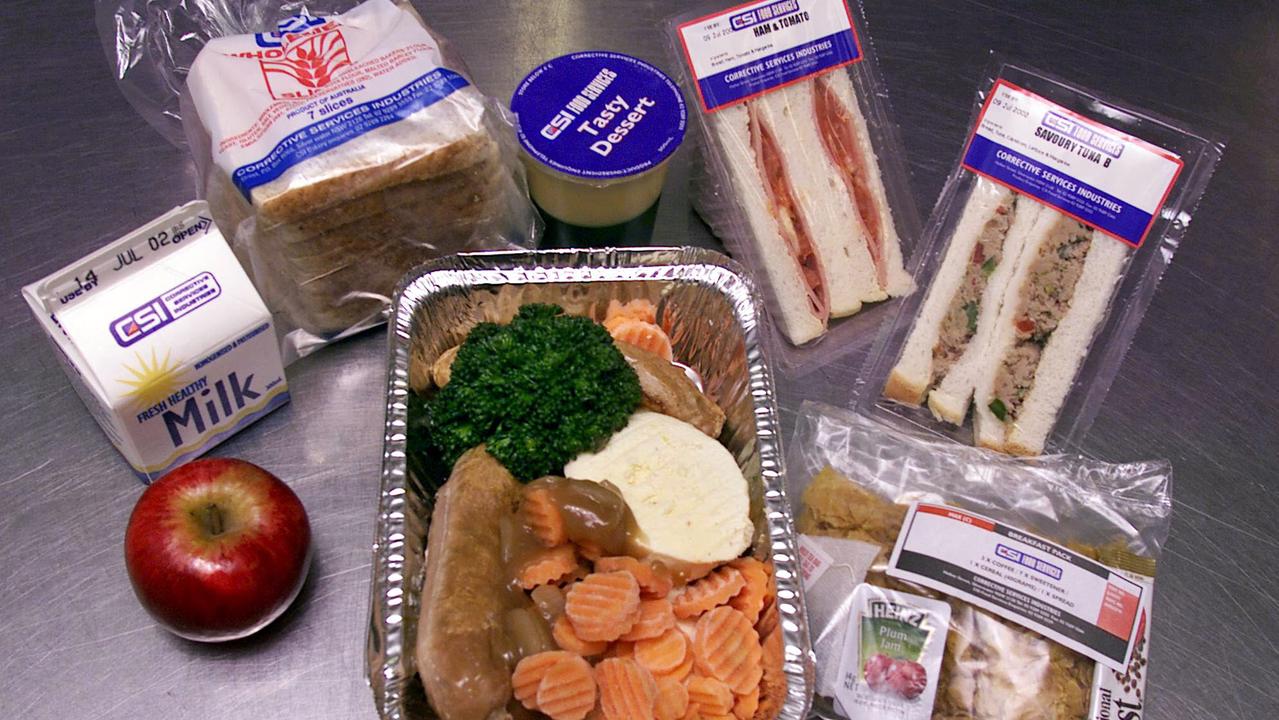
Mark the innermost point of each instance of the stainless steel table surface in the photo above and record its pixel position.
(80, 167)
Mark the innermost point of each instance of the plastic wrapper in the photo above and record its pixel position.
(337, 144)
(800, 169)
(854, 477)
(1038, 264)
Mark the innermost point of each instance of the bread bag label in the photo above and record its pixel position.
(272, 100)
(892, 655)
(750, 49)
(165, 340)
(1095, 174)
(1056, 592)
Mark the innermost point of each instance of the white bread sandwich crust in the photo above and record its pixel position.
(828, 211)
(950, 399)
(910, 378)
(838, 86)
(1053, 305)
(1066, 348)
(799, 319)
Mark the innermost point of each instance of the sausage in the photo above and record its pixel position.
(465, 595)
(668, 390)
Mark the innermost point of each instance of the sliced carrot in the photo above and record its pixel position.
(643, 335)
(568, 640)
(714, 589)
(637, 309)
(627, 690)
(548, 566)
(664, 653)
(768, 618)
(694, 712)
(654, 580)
(745, 705)
(727, 648)
(603, 606)
(655, 618)
(621, 648)
(672, 698)
(542, 517)
(750, 600)
(684, 669)
(772, 686)
(528, 675)
(567, 690)
(711, 695)
(590, 551)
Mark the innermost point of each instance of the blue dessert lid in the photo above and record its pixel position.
(599, 115)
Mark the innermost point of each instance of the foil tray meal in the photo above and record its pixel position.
(712, 312)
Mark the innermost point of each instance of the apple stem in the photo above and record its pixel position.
(213, 519)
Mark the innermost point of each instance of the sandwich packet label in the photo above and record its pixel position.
(892, 655)
(1100, 176)
(164, 339)
(599, 115)
(1056, 592)
(750, 49)
(272, 100)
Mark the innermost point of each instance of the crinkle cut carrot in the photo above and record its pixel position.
(672, 698)
(662, 654)
(727, 648)
(714, 589)
(529, 673)
(542, 517)
(603, 606)
(568, 640)
(637, 309)
(567, 690)
(768, 617)
(655, 618)
(772, 686)
(684, 669)
(750, 600)
(627, 690)
(745, 705)
(645, 336)
(711, 695)
(655, 581)
(548, 566)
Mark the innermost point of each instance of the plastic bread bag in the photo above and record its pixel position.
(1039, 261)
(800, 170)
(338, 144)
(1000, 588)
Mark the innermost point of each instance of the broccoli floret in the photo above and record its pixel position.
(539, 391)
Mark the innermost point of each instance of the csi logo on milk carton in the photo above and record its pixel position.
(184, 366)
(181, 300)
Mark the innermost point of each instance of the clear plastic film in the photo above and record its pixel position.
(1037, 265)
(338, 145)
(853, 478)
(800, 170)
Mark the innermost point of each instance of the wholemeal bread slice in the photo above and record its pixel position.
(799, 319)
(832, 220)
(910, 378)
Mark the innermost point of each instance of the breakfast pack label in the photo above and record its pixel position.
(750, 49)
(1074, 600)
(272, 100)
(165, 340)
(1121, 694)
(1100, 176)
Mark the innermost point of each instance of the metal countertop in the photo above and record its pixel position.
(1197, 387)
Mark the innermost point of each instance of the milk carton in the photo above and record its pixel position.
(165, 340)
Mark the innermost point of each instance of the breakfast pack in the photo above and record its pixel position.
(164, 339)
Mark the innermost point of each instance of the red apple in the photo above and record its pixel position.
(217, 549)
